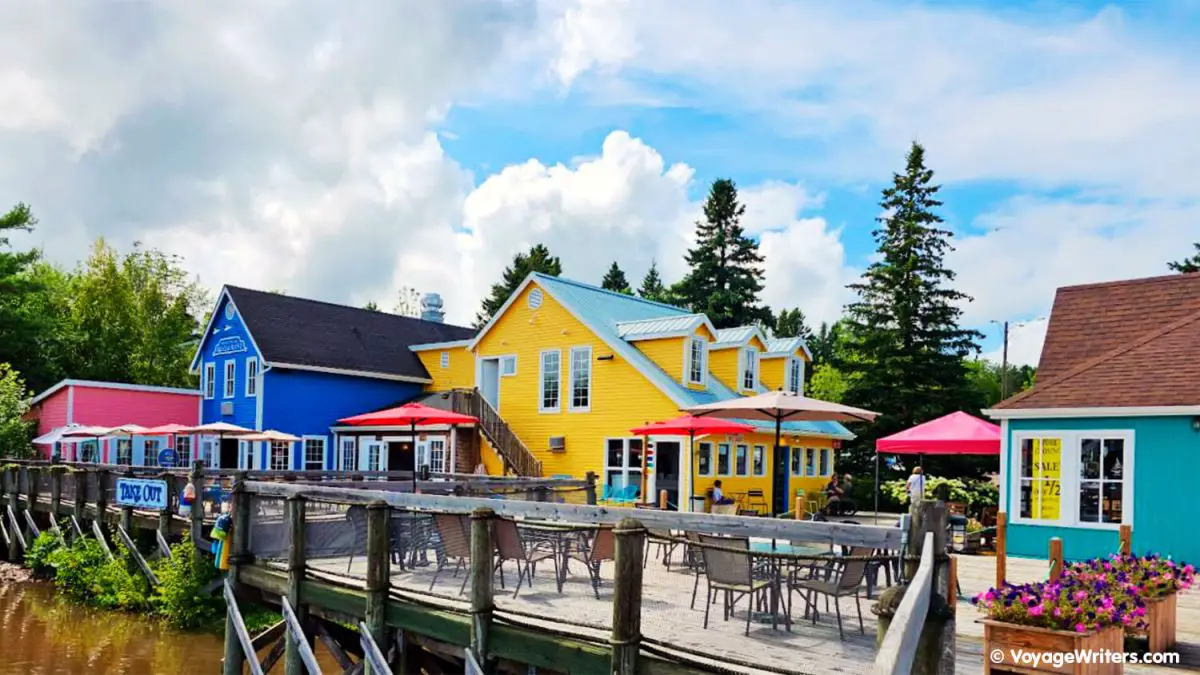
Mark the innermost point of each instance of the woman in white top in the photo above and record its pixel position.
(915, 486)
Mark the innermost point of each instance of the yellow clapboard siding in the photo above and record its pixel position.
(723, 364)
(773, 372)
(460, 372)
(667, 353)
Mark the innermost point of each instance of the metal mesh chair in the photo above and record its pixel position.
(666, 546)
(847, 581)
(603, 548)
(731, 572)
(454, 535)
(511, 546)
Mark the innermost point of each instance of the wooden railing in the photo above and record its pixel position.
(516, 455)
(899, 646)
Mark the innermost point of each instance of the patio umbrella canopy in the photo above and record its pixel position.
(411, 414)
(690, 426)
(955, 434)
(219, 429)
(268, 436)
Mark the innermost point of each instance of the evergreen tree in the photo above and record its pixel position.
(372, 306)
(614, 280)
(825, 343)
(22, 325)
(903, 332)
(726, 267)
(1186, 265)
(791, 323)
(652, 285)
(538, 259)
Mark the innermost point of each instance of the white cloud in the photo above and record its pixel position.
(1025, 340)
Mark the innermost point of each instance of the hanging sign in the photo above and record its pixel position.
(167, 458)
(142, 493)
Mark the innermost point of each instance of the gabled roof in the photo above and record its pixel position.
(663, 327)
(310, 334)
(777, 347)
(1130, 344)
(601, 311)
(737, 336)
(94, 384)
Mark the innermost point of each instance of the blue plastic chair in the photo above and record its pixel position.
(606, 495)
(627, 495)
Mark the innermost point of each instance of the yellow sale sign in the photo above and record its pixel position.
(1047, 474)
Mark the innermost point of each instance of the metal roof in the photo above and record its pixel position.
(660, 327)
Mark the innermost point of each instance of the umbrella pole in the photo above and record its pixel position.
(691, 471)
(414, 451)
(876, 487)
(775, 466)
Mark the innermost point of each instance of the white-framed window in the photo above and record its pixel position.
(795, 375)
(281, 455)
(704, 459)
(810, 462)
(314, 453)
(697, 361)
(723, 463)
(1073, 478)
(508, 366)
(89, 451)
(347, 458)
(550, 390)
(445, 359)
(208, 449)
(742, 460)
(749, 368)
(246, 455)
(826, 467)
(374, 454)
(623, 462)
(183, 451)
(437, 455)
(760, 460)
(124, 451)
(210, 380)
(230, 378)
(581, 380)
(797, 461)
(150, 448)
(252, 376)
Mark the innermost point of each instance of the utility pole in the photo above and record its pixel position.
(1004, 366)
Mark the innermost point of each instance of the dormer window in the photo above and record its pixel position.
(749, 369)
(795, 375)
(697, 360)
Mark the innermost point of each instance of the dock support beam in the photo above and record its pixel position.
(34, 475)
(627, 596)
(127, 511)
(11, 485)
(591, 488)
(102, 482)
(483, 543)
(196, 478)
(293, 663)
(56, 477)
(378, 573)
(80, 478)
(235, 656)
(164, 516)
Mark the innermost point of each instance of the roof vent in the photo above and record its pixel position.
(431, 308)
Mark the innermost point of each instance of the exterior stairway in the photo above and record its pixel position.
(517, 457)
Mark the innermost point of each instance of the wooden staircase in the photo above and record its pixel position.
(517, 457)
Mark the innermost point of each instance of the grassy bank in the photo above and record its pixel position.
(82, 572)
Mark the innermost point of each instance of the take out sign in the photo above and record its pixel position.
(142, 493)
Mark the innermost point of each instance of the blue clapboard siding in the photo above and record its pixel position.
(228, 340)
(1166, 462)
(307, 403)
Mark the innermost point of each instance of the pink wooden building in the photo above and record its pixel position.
(109, 404)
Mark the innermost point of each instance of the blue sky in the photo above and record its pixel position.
(345, 153)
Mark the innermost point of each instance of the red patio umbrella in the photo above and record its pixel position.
(411, 414)
(690, 425)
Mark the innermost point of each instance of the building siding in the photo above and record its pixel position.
(1166, 451)
(723, 365)
(53, 411)
(666, 353)
(229, 335)
(305, 403)
(460, 374)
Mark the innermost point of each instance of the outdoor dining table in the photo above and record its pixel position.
(778, 555)
(560, 538)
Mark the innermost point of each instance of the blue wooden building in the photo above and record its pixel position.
(271, 361)
(1110, 434)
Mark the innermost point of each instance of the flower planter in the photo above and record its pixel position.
(1160, 615)
(1011, 648)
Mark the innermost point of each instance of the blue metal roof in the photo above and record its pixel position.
(602, 310)
(632, 330)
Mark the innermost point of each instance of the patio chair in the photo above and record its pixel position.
(847, 581)
(693, 559)
(510, 545)
(603, 548)
(454, 532)
(627, 495)
(606, 495)
(666, 544)
(733, 573)
(874, 567)
(756, 500)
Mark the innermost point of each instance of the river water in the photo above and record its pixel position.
(42, 633)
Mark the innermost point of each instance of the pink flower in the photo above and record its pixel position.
(1080, 628)
(1107, 603)
(1037, 610)
(1080, 596)
(1140, 611)
(1057, 612)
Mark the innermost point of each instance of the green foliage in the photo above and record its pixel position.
(76, 566)
(726, 275)
(791, 323)
(986, 378)
(652, 287)
(15, 431)
(976, 493)
(119, 584)
(37, 558)
(23, 323)
(372, 306)
(1187, 265)
(180, 597)
(614, 280)
(828, 383)
(537, 260)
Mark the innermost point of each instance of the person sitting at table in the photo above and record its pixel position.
(718, 497)
(834, 495)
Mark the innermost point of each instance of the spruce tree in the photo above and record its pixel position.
(1187, 265)
(726, 267)
(791, 323)
(903, 330)
(538, 259)
(652, 285)
(614, 280)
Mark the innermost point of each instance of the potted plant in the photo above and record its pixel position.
(974, 536)
(1156, 580)
(1029, 628)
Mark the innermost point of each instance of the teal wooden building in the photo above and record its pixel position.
(1110, 434)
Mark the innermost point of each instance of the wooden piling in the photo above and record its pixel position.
(237, 540)
(164, 516)
(952, 594)
(663, 499)
(1056, 559)
(80, 499)
(800, 506)
(627, 596)
(293, 663)
(483, 544)
(378, 573)
(196, 478)
(11, 484)
(1001, 544)
(127, 511)
(1126, 539)
(102, 483)
(591, 488)
(56, 476)
(32, 491)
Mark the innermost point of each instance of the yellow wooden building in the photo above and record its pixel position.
(571, 368)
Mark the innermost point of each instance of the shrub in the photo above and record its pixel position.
(976, 493)
(37, 558)
(180, 598)
(75, 567)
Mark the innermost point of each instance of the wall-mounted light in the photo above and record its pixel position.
(606, 357)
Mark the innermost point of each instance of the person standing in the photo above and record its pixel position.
(915, 486)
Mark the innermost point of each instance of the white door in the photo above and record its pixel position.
(371, 456)
(245, 455)
(489, 381)
(422, 458)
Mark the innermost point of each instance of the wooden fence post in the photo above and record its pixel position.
(292, 662)
(235, 657)
(164, 516)
(1126, 539)
(127, 511)
(80, 498)
(800, 506)
(56, 474)
(32, 489)
(11, 484)
(663, 499)
(196, 478)
(1056, 559)
(591, 488)
(102, 483)
(378, 572)
(483, 544)
(627, 596)
(1001, 553)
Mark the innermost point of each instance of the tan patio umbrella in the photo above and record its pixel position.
(93, 432)
(268, 436)
(220, 429)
